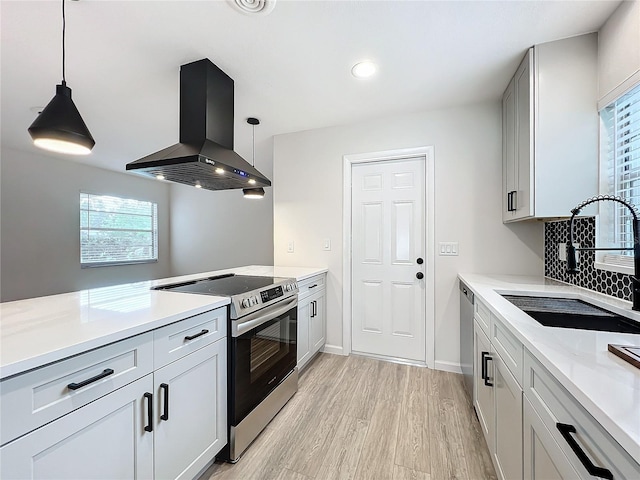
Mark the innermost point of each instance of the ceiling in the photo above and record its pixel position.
(291, 67)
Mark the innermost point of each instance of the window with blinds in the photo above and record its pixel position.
(117, 231)
(621, 150)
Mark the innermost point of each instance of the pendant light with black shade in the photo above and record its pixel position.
(253, 192)
(59, 127)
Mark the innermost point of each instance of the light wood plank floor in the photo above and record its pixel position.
(359, 418)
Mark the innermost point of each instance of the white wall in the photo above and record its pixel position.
(212, 230)
(619, 52)
(308, 170)
(40, 225)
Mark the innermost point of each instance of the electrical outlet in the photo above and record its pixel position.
(290, 246)
(562, 251)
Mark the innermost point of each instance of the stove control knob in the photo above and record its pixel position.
(257, 300)
(246, 303)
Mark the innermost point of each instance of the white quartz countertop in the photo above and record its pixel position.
(606, 386)
(38, 331)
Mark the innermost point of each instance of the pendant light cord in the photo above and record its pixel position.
(64, 25)
(253, 141)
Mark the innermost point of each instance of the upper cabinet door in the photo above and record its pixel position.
(522, 201)
(508, 150)
(550, 130)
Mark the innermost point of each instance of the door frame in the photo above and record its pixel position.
(426, 154)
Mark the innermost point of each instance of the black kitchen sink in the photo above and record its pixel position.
(573, 313)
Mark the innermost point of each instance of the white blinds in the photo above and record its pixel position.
(116, 230)
(621, 120)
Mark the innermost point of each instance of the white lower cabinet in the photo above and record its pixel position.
(317, 322)
(482, 386)
(302, 345)
(543, 459)
(572, 431)
(190, 418)
(507, 454)
(105, 439)
(168, 424)
(498, 404)
(311, 325)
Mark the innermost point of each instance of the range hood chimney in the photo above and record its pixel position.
(204, 157)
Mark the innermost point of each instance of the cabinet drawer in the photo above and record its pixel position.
(311, 285)
(482, 315)
(181, 338)
(38, 397)
(508, 346)
(555, 405)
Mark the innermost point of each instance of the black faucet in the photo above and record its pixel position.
(572, 266)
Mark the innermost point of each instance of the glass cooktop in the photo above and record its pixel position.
(223, 285)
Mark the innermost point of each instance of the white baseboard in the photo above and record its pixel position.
(333, 349)
(448, 366)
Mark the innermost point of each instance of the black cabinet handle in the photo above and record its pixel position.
(165, 415)
(105, 373)
(149, 426)
(313, 286)
(486, 356)
(512, 201)
(419, 275)
(483, 367)
(566, 430)
(191, 337)
(315, 308)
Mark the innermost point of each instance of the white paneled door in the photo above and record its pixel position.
(388, 253)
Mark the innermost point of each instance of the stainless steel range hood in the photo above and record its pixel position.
(204, 156)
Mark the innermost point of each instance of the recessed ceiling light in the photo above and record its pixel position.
(364, 69)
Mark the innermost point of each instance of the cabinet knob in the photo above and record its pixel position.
(419, 275)
(419, 261)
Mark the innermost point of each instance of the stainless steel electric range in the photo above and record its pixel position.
(262, 373)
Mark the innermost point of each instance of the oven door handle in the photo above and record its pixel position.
(243, 325)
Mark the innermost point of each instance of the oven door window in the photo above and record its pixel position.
(269, 345)
(262, 358)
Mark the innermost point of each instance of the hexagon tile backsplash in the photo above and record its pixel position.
(603, 281)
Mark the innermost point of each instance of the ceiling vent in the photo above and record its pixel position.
(253, 7)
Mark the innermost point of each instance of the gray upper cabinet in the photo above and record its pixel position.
(550, 130)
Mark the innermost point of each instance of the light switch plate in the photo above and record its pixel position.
(290, 246)
(448, 249)
(326, 245)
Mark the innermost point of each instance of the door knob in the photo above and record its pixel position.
(419, 261)
(419, 275)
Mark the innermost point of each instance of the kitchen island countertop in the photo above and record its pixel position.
(38, 331)
(606, 386)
